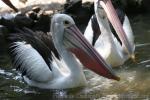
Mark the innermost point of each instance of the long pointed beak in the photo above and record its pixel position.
(75, 42)
(8, 3)
(114, 20)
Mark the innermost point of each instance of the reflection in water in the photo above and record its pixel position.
(134, 82)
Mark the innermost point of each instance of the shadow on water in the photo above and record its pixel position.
(134, 82)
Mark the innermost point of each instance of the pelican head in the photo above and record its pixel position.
(67, 37)
(104, 8)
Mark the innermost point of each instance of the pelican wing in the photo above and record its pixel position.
(31, 54)
(92, 30)
(96, 29)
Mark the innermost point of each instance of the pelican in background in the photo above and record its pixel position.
(8, 3)
(115, 47)
(48, 61)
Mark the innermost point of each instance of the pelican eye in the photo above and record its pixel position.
(66, 23)
(100, 7)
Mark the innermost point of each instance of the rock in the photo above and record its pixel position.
(81, 13)
(36, 9)
(145, 4)
(23, 1)
(135, 6)
(23, 21)
(32, 15)
(3, 44)
(42, 23)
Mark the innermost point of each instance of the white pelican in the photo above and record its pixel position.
(49, 61)
(114, 48)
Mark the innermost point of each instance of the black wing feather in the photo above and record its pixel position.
(40, 41)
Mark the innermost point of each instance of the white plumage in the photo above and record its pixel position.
(107, 44)
(46, 60)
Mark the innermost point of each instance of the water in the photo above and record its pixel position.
(134, 82)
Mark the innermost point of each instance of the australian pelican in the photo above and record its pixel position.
(114, 48)
(49, 60)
